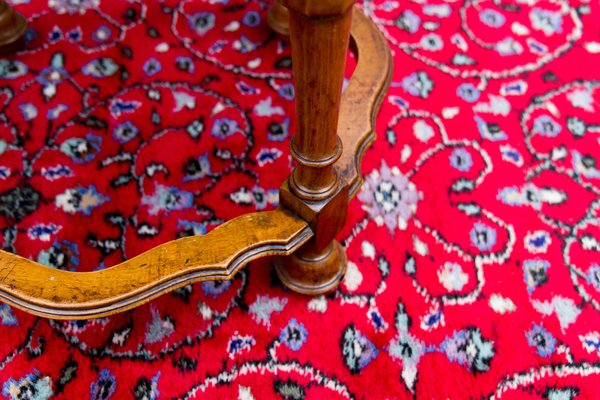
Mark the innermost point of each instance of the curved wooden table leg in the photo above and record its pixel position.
(319, 188)
(279, 18)
(59, 294)
(319, 33)
(13, 26)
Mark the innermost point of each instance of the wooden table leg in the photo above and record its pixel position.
(13, 26)
(319, 32)
(279, 18)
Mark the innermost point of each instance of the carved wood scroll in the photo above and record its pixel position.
(362, 97)
(219, 254)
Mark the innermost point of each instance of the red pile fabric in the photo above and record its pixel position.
(473, 247)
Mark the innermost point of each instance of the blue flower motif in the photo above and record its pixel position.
(576, 126)
(470, 349)
(202, 22)
(73, 7)
(7, 318)
(102, 34)
(168, 199)
(191, 228)
(53, 75)
(357, 350)
(244, 45)
(4, 172)
(28, 110)
(43, 232)
(82, 150)
(544, 125)
(468, 92)
(54, 112)
(418, 84)
(80, 199)
(30, 387)
(12, 69)
(100, 68)
(512, 155)
(251, 19)
(196, 168)
(119, 107)
(508, 47)
(104, 387)
(287, 91)
(278, 132)
(62, 255)
(461, 159)
(483, 236)
(238, 343)
(542, 340)
(30, 34)
(224, 127)
(293, 335)
(74, 35)
(267, 156)
(489, 131)
(409, 21)
(215, 288)
(185, 63)
(125, 131)
(55, 34)
(593, 276)
(152, 66)
(538, 241)
(535, 273)
(491, 18)
(432, 42)
(547, 21)
(57, 172)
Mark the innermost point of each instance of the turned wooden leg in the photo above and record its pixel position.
(13, 26)
(279, 18)
(319, 33)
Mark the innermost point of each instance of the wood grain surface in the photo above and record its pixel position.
(362, 98)
(218, 255)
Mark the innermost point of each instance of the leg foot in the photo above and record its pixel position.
(313, 273)
(13, 26)
(279, 19)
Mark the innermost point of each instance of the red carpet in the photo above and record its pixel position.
(474, 245)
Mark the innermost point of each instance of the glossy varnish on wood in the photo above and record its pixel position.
(319, 34)
(218, 255)
(313, 200)
(12, 29)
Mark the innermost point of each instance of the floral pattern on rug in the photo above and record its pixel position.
(473, 246)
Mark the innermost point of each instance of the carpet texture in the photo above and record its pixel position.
(474, 264)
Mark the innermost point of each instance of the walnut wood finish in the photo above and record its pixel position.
(59, 294)
(320, 33)
(304, 231)
(362, 97)
(13, 26)
(369, 81)
(279, 18)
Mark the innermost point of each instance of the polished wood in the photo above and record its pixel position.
(302, 229)
(218, 255)
(319, 34)
(13, 26)
(362, 97)
(320, 265)
(319, 48)
(313, 272)
(279, 18)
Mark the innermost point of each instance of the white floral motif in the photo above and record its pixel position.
(389, 198)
